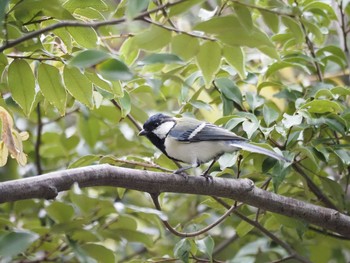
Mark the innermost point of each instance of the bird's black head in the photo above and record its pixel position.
(154, 122)
(156, 128)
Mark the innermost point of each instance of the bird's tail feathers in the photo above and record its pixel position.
(257, 149)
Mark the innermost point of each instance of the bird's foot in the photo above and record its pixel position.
(182, 173)
(207, 177)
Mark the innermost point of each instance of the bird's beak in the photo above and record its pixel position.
(142, 133)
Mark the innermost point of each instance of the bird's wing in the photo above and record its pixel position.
(202, 131)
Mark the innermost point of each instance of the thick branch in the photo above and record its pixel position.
(243, 190)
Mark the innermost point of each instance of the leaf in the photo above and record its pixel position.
(99, 252)
(114, 69)
(270, 113)
(3, 8)
(206, 246)
(227, 28)
(236, 58)
(228, 88)
(90, 130)
(16, 242)
(71, 5)
(84, 36)
(295, 28)
(78, 86)
(133, 8)
(182, 250)
(22, 84)
(291, 120)
(271, 20)
(183, 7)
(153, 38)
(84, 161)
(283, 64)
(88, 58)
(321, 106)
(209, 60)
(51, 86)
(125, 104)
(250, 126)
(244, 228)
(163, 58)
(60, 212)
(254, 100)
(180, 41)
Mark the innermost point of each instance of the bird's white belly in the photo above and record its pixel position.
(195, 152)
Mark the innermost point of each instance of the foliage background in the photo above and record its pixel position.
(79, 76)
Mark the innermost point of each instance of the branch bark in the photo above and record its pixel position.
(243, 190)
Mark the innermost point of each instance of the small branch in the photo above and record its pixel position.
(176, 30)
(142, 164)
(344, 32)
(40, 59)
(131, 118)
(38, 141)
(243, 190)
(72, 23)
(262, 8)
(196, 233)
(262, 229)
(313, 187)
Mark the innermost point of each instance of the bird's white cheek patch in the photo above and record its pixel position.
(162, 130)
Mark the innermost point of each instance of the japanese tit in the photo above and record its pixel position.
(195, 142)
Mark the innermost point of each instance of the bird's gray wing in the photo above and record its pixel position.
(202, 131)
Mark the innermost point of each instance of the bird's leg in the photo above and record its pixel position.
(205, 174)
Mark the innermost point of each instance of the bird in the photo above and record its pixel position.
(196, 142)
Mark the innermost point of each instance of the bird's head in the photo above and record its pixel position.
(158, 125)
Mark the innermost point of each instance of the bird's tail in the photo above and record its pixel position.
(257, 149)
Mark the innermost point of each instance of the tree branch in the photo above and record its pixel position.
(73, 23)
(243, 190)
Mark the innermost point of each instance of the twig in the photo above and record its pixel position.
(176, 30)
(258, 226)
(145, 165)
(344, 33)
(313, 187)
(196, 233)
(94, 25)
(263, 9)
(38, 141)
(131, 118)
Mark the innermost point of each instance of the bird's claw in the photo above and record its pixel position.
(182, 173)
(207, 177)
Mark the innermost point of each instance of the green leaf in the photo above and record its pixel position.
(90, 130)
(227, 28)
(183, 7)
(254, 100)
(322, 106)
(51, 86)
(271, 20)
(163, 58)
(153, 38)
(114, 69)
(250, 126)
(270, 113)
(78, 86)
(22, 84)
(60, 212)
(283, 64)
(209, 60)
(84, 161)
(180, 41)
(206, 246)
(84, 36)
(236, 58)
(71, 5)
(125, 104)
(3, 8)
(99, 252)
(228, 88)
(134, 7)
(244, 228)
(88, 58)
(295, 28)
(182, 250)
(16, 242)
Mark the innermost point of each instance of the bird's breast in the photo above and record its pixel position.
(196, 152)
